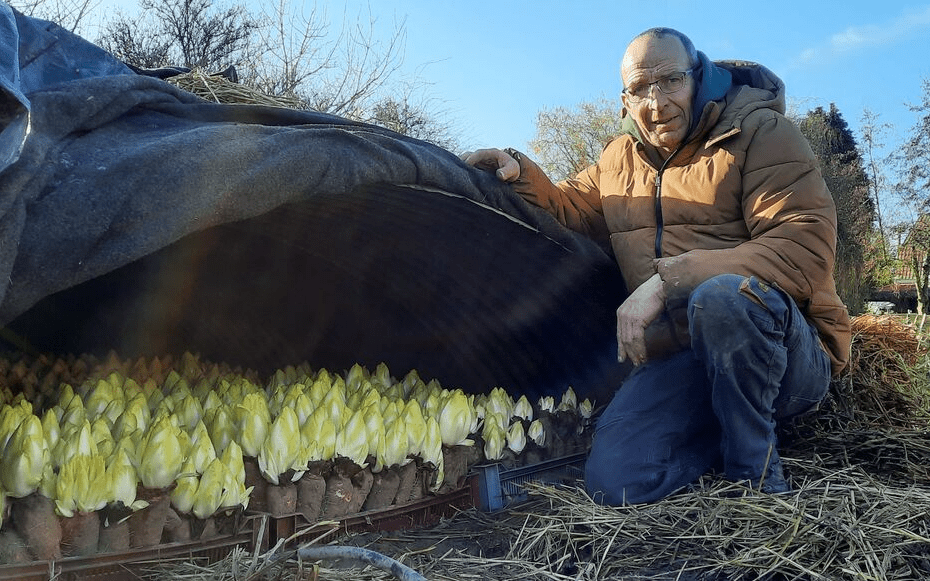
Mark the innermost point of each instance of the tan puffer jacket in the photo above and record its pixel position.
(744, 195)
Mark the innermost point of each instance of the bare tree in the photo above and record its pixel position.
(129, 42)
(915, 259)
(353, 69)
(293, 48)
(417, 118)
(569, 140)
(197, 34)
(914, 156)
(69, 14)
(286, 51)
(871, 132)
(340, 73)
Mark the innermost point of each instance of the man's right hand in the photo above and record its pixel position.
(638, 311)
(499, 161)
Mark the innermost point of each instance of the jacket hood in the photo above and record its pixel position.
(769, 89)
(713, 84)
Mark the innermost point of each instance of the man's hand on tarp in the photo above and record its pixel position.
(504, 166)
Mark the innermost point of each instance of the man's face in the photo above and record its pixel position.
(664, 120)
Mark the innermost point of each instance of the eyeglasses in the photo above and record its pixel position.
(668, 85)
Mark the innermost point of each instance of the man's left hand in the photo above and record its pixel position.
(635, 314)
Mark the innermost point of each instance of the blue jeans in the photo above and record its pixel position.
(754, 358)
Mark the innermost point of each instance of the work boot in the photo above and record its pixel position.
(774, 481)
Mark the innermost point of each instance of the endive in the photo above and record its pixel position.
(97, 399)
(233, 461)
(298, 400)
(410, 382)
(320, 429)
(74, 441)
(11, 416)
(252, 423)
(393, 451)
(24, 458)
(382, 376)
(355, 376)
(279, 452)
(135, 416)
(455, 419)
(221, 427)
(352, 440)
(201, 451)
(586, 409)
(416, 427)
(499, 401)
(537, 433)
(211, 401)
(234, 491)
(73, 414)
(160, 455)
(374, 427)
(516, 437)
(523, 408)
(494, 441)
(189, 412)
(334, 404)
(122, 480)
(210, 491)
(82, 486)
(547, 403)
(432, 450)
(185, 490)
(319, 388)
(432, 443)
(100, 432)
(51, 428)
(569, 401)
(432, 405)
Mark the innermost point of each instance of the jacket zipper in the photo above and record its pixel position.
(658, 202)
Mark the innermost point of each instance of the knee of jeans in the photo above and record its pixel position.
(615, 483)
(630, 473)
(716, 296)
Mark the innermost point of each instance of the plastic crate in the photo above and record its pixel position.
(499, 488)
(131, 564)
(295, 528)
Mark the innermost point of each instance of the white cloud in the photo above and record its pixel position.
(877, 34)
(869, 36)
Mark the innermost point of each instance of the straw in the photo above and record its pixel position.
(219, 89)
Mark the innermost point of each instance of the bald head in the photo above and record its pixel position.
(660, 32)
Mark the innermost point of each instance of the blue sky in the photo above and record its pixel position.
(493, 65)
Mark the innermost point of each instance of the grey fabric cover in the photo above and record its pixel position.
(137, 217)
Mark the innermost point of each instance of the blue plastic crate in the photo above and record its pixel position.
(499, 488)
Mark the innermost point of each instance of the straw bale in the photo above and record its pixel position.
(216, 88)
(885, 386)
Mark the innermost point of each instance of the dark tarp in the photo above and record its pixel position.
(139, 218)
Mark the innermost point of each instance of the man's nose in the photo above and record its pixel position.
(655, 98)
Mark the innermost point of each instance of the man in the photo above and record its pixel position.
(725, 233)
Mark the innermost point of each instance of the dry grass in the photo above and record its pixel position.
(842, 525)
(221, 90)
